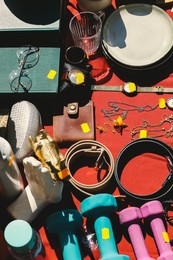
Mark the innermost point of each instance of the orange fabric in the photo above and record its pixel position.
(135, 177)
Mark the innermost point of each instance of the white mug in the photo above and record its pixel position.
(93, 5)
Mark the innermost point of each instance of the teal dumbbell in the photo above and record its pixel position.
(65, 223)
(99, 207)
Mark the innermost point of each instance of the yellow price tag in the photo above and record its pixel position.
(132, 87)
(11, 160)
(51, 74)
(165, 237)
(162, 103)
(85, 128)
(80, 78)
(143, 133)
(105, 233)
(63, 173)
(120, 120)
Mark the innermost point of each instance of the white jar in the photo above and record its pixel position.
(23, 241)
(93, 5)
(11, 182)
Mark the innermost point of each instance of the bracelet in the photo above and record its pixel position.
(131, 90)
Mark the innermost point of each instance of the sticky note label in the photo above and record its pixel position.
(143, 133)
(80, 78)
(165, 237)
(63, 173)
(11, 160)
(85, 128)
(119, 120)
(132, 87)
(162, 103)
(105, 233)
(51, 74)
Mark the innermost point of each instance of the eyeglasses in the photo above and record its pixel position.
(28, 57)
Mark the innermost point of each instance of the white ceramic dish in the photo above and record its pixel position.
(138, 34)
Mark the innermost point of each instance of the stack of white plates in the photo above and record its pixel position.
(138, 36)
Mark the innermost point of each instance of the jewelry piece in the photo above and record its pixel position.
(152, 128)
(169, 103)
(103, 129)
(117, 125)
(124, 109)
(76, 77)
(130, 88)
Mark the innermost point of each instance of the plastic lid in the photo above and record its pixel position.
(19, 236)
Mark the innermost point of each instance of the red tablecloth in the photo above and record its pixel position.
(116, 141)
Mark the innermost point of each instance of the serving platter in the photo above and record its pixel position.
(138, 35)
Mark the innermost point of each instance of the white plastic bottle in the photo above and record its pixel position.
(11, 183)
(24, 242)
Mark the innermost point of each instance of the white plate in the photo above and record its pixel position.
(138, 34)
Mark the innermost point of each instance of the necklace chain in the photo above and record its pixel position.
(154, 127)
(116, 110)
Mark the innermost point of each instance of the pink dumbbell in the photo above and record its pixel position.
(131, 217)
(153, 212)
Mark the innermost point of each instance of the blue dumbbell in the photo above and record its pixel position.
(65, 223)
(99, 207)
